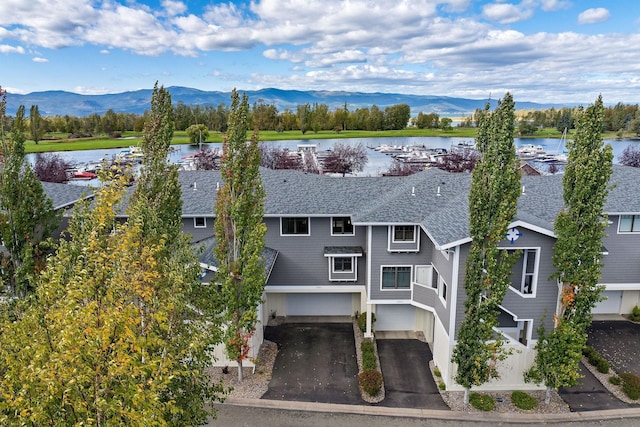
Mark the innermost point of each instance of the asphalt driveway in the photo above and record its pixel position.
(618, 342)
(408, 382)
(316, 362)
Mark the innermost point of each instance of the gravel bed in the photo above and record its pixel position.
(255, 382)
(616, 390)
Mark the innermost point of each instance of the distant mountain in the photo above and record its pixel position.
(52, 103)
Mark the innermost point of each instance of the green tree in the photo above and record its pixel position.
(240, 233)
(27, 218)
(304, 117)
(197, 134)
(103, 341)
(156, 206)
(35, 121)
(495, 187)
(577, 253)
(445, 124)
(397, 116)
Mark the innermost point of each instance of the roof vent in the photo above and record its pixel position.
(523, 190)
(218, 186)
(438, 192)
(413, 191)
(195, 186)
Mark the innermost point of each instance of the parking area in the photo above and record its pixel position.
(618, 342)
(408, 381)
(316, 362)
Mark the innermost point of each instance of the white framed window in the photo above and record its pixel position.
(294, 226)
(443, 290)
(342, 264)
(199, 222)
(403, 234)
(341, 226)
(629, 224)
(525, 272)
(396, 277)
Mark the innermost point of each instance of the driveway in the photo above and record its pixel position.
(590, 395)
(316, 362)
(618, 342)
(408, 382)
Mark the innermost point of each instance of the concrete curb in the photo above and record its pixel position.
(510, 418)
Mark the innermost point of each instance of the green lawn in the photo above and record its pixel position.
(180, 137)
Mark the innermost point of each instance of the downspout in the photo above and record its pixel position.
(368, 333)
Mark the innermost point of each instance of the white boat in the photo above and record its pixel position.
(530, 152)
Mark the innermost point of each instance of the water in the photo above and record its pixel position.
(377, 164)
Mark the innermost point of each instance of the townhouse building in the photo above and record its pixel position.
(397, 247)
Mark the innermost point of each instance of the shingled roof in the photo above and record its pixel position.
(433, 199)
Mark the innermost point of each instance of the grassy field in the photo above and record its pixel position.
(61, 143)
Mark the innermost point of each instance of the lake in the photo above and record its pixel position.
(377, 164)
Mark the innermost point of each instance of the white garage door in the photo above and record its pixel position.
(395, 318)
(611, 305)
(319, 305)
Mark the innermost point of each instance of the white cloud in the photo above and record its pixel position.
(83, 90)
(5, 48)
(593, 16)
(174, 8)
(506, 13)
(38, 59)
(551, 5)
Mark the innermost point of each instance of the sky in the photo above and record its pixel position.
(548, 51)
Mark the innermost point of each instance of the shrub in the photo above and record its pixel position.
(635, 314)
(362, 321)
(615, 380)
(370, 381)
(441, 385)
(523, 400)
(596, 359)
(631, 385)
(369, 360)
(483, 402)
(437, 373)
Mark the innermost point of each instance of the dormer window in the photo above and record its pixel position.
(404, 233)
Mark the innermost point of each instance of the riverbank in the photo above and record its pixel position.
(60, 142)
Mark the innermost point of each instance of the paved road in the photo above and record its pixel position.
(590, 395)
(240, 416)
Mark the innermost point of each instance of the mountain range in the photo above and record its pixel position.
(60, 103)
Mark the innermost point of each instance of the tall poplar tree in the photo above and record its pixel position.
(156, 206)
(35, 123)
(493, 198)
(240, 232)
(577, 253)
(27, 217)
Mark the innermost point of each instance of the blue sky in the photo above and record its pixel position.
(564, 51)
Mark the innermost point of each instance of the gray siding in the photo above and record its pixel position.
(544, 303)
(197, 234)
(301, 260)
(380, 256)
(620, 265)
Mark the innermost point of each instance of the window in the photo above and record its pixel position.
(341, 225)
(528, 271)
(200, 222)
(629, 224)
(525, 271)
(442, 291)
(403, 233)
(342, 264)
(435, 276)
(396, 277)
(297, 226)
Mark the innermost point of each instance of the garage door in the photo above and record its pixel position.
(611, 305)
(395, 318)
(319, 305)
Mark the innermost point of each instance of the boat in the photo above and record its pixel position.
(84, 175)
(531, 152)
